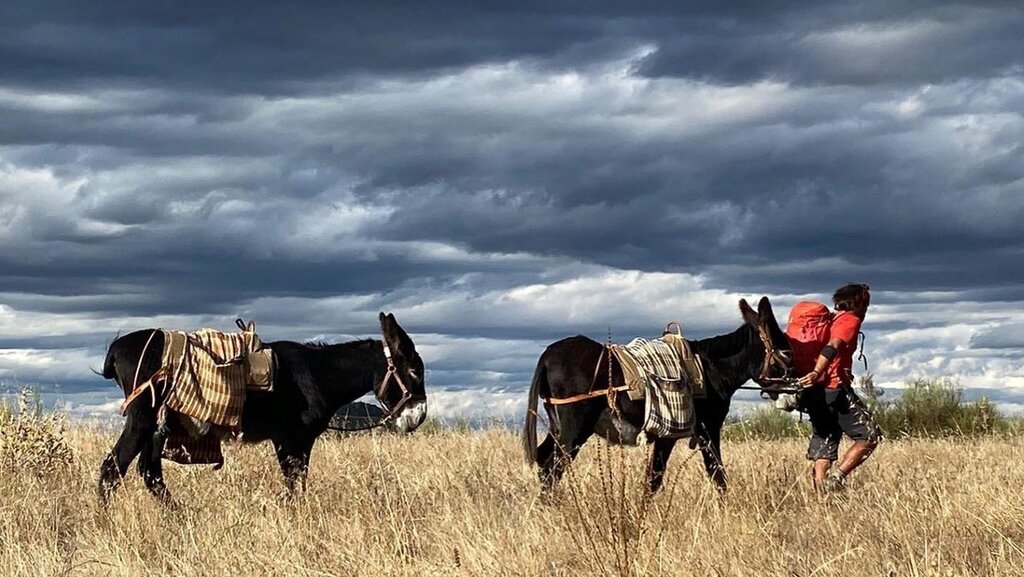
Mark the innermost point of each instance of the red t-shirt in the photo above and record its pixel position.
(845, 326)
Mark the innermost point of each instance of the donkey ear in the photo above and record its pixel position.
(764, 309)
(383, 322)
(749, 314)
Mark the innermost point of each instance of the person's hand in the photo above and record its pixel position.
(809, 379)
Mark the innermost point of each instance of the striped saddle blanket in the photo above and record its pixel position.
(668, 376)
(207, 374)
(642, 360)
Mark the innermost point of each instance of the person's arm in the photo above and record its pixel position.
(824, 359)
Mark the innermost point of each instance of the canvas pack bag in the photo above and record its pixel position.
(808, 333)
(691, 366)
(668, 409)
(261, 370)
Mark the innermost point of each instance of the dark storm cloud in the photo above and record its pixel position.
(275, 48)
(896, 200)
(838, 172)
(268, 47)
(856, 44)
(309, 164)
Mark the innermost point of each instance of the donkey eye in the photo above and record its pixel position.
(413, 373)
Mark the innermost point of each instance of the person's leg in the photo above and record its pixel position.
(824, 467)
(857, 422)
(856, 455)
(823, 449)
(820, 469)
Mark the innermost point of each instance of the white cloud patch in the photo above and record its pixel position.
(475, 376)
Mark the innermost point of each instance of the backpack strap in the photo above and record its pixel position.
(860, 336)
(861, 356)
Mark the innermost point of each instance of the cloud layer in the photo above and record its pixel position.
(503, 177)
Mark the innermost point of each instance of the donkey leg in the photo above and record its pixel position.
(546, 458)
(293, 457)
(151, 466)
(711, 451)
(138, 431)
(574, 429)
(659, 461)
(545, 451)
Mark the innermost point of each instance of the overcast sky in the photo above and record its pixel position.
(500, 175)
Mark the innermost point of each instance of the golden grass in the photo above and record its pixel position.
(465, 504)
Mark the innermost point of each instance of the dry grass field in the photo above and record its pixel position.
(465, 504)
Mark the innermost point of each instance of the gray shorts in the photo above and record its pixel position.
(833, 412)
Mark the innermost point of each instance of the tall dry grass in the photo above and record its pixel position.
(465, 504)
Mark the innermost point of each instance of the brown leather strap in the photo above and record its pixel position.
(150, 385)
(392, 374)
(597, 368)
(134, 395)
(583, 396)
(591, 393)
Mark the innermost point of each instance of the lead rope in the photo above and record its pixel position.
(612, 401)
(379, 423)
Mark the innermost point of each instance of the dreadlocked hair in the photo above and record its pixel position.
(851, 297)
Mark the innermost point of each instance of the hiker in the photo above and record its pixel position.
(828, 396)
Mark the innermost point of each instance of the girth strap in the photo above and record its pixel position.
(584, 396)
(591, 393)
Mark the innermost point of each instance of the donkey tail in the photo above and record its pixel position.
(530, 428)
(109, 371)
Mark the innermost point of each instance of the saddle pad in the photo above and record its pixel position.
(642, 359)
(668, 410)
(209, 379)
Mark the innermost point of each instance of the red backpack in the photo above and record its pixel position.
(808, 333)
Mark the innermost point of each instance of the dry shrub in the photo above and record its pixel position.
(32, 441)
(936, 408)
(617, 528)
(766, 423)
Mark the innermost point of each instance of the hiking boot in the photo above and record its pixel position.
(835, 481)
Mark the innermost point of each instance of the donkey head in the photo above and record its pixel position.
(774, 345)
(402, 393)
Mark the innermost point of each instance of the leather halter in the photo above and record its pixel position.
(389, 376)
(771, 357)
(378, 392)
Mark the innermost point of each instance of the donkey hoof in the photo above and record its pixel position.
(167, 500)
(105, 490)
